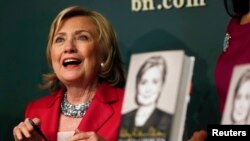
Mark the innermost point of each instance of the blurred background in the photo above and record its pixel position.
(196, 26)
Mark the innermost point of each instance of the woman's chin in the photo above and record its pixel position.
(71, 79)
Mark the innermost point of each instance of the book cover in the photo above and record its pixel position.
(156, 96)
(237, 106)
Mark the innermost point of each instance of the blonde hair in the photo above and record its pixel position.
(112, 69)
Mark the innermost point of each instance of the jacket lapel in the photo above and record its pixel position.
(99, 113)
(100, 109)
(51, 118)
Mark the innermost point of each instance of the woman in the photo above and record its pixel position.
(241, 103)
(85, 100)
(236, 47)
(236, 51)
(139, 123)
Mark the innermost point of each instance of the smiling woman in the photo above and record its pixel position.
(86, 94)
(74, 52)
(241, 100)
(147, 121)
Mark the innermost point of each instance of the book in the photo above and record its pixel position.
(156, 97)
(237, 106)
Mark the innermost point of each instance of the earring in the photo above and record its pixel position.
(102, 64)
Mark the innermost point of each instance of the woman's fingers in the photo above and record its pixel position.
(24, 129)
(36, 121)
(88, 136)
(17, 134)
(199, 136)
(81, 136)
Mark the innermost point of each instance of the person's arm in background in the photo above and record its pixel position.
(199, 136)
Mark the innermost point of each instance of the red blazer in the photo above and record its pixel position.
(103, 115)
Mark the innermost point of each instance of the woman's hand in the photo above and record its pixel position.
(24, 131)
(85, 136)
(199, 136)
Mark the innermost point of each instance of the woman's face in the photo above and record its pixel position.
(149, 86)
(242, 102)
(74, 51)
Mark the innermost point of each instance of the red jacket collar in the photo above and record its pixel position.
(104, 94)
(100, 109)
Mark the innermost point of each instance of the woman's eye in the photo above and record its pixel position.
(59, 40)
(143, 82)
(156, 81)
(248, 97)
(238, 96)
(83, 37)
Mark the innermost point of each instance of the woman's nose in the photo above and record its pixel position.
(70, 47)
